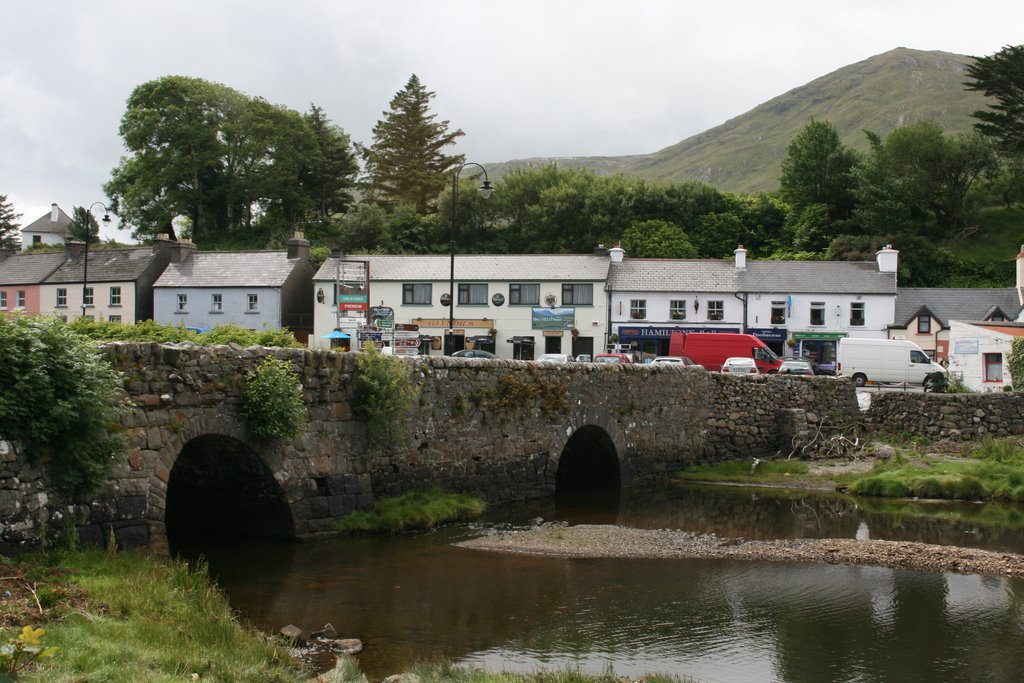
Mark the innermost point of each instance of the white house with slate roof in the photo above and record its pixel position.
(256, 290)
(924, 315)
(517, 306)
(45, 230)
(118, 285)
(795, 307)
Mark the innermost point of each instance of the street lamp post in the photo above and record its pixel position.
(85, 261)
(485, 190)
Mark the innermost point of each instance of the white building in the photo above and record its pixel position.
(795, 307)
(979, 353)
(51, 229)
(517, 306)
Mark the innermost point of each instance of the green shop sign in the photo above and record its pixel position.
(553, 318)
(819, 335)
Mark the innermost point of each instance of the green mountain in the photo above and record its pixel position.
(744, 154)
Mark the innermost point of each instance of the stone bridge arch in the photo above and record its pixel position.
(590, 451)
(217, 480)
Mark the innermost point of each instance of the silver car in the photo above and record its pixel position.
(556, 357)
(740, 365)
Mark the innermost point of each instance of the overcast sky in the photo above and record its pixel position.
(527, 78)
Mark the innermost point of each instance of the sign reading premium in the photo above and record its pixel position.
(352, 302)
(553, 318)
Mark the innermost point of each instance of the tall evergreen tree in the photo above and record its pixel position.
(10, 235)
(82, 220)
(405, 163)
(332, 168)
(1001, 76)
(818, 170)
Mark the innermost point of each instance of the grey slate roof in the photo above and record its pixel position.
(44, 224)
(947, 304)
(482, 267)
(105, 265)
(29, 269)
(229, 269)
(789, 277)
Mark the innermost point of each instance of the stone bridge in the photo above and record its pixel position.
(505, 431)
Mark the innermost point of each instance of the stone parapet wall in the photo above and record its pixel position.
(492, 429)
(940, 416)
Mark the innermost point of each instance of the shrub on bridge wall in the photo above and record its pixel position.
(272, 401)
(384, 394)
(58, 399)
(150, 331)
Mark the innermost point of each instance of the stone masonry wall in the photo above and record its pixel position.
(955, 416)
(492, 429)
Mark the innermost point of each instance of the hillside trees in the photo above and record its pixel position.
(10, 235)
(1001, 77)
(227, 162)
(406, 163)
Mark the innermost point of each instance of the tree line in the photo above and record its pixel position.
(237, 171)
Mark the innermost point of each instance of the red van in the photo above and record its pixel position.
(710, 349)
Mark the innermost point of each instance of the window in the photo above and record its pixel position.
(252, 303)
(472, 294)
(182, 303)
(716, 310)
(919, 357)
(677, 309)
(37, 239)
(778, 313)
(638, 309)
(3, 300)
(924, 324)
(524, 294)
(577, 295)
(993, 367)
(115, 296)
(216, 303)
(20, 298)
(857, 314)
(114, 318)
(419, 293)
(62, 297)
(817, 312)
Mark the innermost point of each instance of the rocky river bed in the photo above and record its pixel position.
(595, 540)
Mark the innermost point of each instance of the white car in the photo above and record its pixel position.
(740, 365)
(556, 357)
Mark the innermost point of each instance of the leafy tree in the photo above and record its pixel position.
(812, 228)
(657, 239)
(406, 163)
(272, 401)
(83, 224)
(818, 169)
(1001, 77)
(228, 163)
(366, 228)
(10, 235)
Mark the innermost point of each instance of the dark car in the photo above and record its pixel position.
(815, 366)
(474, 353)
(796, 366)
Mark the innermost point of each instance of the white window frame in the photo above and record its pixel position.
(252, 302)
(638, 309)
(817, 307)
(217, 303)
(182, 303)
(62, 297)
(115, 295)
(716, 309)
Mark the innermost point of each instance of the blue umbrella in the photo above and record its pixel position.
(337, 334)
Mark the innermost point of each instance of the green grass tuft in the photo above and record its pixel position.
(413, 511)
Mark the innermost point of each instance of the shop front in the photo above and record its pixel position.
(821, 347)
(773, 337)
(461, 334)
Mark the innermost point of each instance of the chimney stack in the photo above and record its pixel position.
(617, 253)
(741, 258)
(54, 213)
(887, 258)
(298, 247)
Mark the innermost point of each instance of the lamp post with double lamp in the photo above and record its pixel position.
(85, 261)
(485, 191)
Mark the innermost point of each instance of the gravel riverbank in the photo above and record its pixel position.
(588, 540)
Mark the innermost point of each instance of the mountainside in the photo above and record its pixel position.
(744, 154)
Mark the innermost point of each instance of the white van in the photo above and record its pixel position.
(884, 360)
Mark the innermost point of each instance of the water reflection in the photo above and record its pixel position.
(418, 598)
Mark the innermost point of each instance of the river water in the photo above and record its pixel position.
(415, 598)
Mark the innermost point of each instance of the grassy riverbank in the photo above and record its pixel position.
(415, 511)
(130, 616)
(992, 469)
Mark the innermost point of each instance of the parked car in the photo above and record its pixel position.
(796, 366)
(556, 357)
(584, 358)
(612, 358)
(817, 367)
(473, 353)
(674, 359)
(740, 365)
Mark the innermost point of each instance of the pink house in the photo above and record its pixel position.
(21, 277)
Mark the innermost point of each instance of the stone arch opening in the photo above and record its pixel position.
(589, 460)
(221, 485)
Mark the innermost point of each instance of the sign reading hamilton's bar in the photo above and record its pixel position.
(458, 322)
